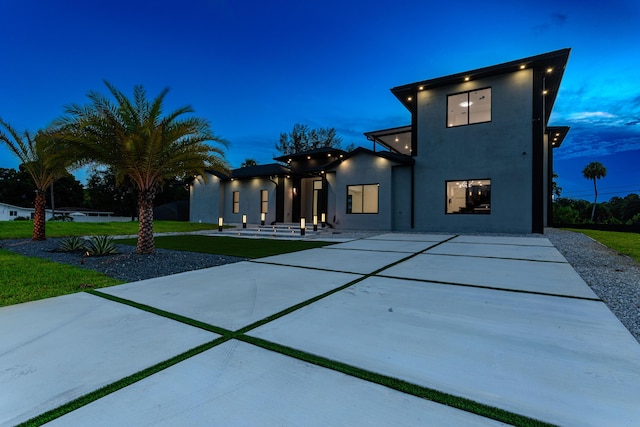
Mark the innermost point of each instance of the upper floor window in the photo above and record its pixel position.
(467, 108)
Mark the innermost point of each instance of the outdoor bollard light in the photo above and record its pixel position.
(302, 225)
(219, 223)
(323, 219)
(263, 216)
(244, 221)
(315, 223)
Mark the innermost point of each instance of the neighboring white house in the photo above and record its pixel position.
(9, 212)
(477, 156)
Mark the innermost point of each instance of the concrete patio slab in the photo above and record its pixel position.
(55, 350)
(234, 295)
(532, 253)
(505, 240)
(407, 246)
(536, 355)
(359, 262)
(415, 237)
(545, 277)
(240, 384)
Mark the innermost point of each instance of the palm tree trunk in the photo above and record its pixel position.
(39, 217)
(146, 243)
(595, 200)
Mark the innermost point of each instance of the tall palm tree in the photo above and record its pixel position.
(135, 139)
(594, 171)
(43, 158)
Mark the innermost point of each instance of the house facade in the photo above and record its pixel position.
(477, 157)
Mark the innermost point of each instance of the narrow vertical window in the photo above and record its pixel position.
(236, 202)
(264, 201)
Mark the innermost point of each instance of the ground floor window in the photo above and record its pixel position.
(471, 196)
(13, 213)
(362, 198)
(264, 201)
(236, 202)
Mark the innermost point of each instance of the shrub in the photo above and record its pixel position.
(62, 218)
(22, 218)
(71, 244)
(101, 245)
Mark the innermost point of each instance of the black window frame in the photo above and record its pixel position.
(470, 208)
(349, 203)
(448, 123)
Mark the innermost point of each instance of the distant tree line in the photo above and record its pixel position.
(618, 210)
(100, 193)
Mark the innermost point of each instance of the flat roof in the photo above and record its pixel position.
(552, 64)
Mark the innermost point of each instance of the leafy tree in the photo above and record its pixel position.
(594, 171)
(102, 193)
(16, 187)
(44, 159)
(301, 138)
(137, 140)
(248, 162)
(67, 192)
(554, 186)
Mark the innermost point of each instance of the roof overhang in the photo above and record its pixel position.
(557, 134)
(397, 140)
(551, 64)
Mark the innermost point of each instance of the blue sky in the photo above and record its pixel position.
(254, 68)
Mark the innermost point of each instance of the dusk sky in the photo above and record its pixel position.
(255, 68)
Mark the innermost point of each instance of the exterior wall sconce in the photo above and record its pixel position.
(244, 221)
(302, 226)
(315, 223)
(323, 219)
(263, 217)
(219, 223)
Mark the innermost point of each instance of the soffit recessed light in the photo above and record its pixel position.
(409, 98)
(522, 67)
(549, 70)
(466, 79)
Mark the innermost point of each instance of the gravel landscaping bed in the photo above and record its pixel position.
(126, 265)
(615, 278)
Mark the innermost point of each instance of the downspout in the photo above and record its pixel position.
(413, 179)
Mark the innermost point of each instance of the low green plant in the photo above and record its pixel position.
(625, 243)
(24, 279)
(72, 244)
(101, 246)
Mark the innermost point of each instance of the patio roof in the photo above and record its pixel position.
(397, 139)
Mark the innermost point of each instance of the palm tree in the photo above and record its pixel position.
(594, 171)
(135, 139)
(42, 157)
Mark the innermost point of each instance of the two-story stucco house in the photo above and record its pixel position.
(477, 157)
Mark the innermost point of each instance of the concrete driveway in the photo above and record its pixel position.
(373, 331)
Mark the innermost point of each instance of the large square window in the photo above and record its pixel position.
(362, 199)
(469, 107)
(472, 196)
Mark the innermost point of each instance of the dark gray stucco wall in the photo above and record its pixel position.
(358, 170)
(204, 200)
(499, 150)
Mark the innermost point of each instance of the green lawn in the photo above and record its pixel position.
(24, 279)
(625, 243)
(232, 246)
(24, 229)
